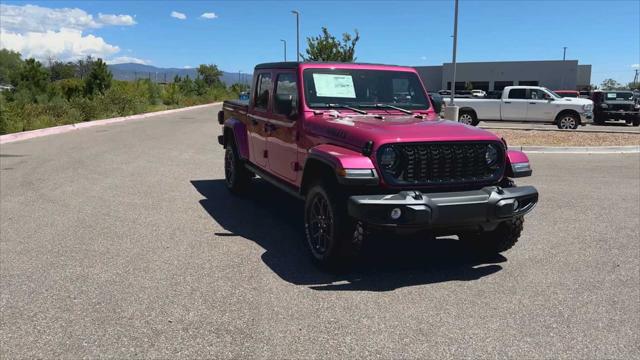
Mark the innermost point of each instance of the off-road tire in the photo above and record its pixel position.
(343, 235)
(568, 121)
(636, 122)
(236, 176)
(503, 238)
(468, 117)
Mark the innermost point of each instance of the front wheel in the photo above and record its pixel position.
(503, 238)
(636, 122)
(468, 118)
(568, 122)
(333, 237)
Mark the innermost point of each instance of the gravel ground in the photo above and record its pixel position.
(566, 138)
(122, 242)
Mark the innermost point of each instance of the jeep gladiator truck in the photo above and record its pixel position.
(616, 105)
(363, 147)
(527, 103)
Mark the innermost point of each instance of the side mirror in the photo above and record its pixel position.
(293, 115)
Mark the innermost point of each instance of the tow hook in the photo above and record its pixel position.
(416, 195)
(499, 190)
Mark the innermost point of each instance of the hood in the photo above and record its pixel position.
(356, 130)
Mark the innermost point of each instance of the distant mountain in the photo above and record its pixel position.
(132, 71)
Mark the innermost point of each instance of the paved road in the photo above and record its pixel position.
(121, 241)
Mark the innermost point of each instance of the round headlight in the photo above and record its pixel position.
(388, 158)
(491, 156)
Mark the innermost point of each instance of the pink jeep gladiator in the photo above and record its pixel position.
(363, 147)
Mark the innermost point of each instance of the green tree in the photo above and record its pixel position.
(84, 66)
(325, 47)
(187, 87)
(10, 66)
(210, 74)
(70, 88)
(33, 79)
(609, 84)
(200, 86)
(99, 78)
(60, 70)
(238, 88)
(633, 85)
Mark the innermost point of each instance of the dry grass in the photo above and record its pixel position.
(566, 138)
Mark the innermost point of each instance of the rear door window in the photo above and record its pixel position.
(518, 94)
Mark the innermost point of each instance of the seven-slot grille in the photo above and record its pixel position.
(445, 163)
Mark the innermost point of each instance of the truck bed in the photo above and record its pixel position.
(235, 109)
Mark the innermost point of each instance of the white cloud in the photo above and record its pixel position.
(42, 32)
(635, 66)
(423, 58)
(128, 59)
(187, 67)
(116, 20)
(66, 44)
(178, 15)
(33, 18)
(209, 15)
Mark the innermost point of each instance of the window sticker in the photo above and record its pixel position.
(332, 85)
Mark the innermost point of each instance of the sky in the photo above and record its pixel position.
(236, 35)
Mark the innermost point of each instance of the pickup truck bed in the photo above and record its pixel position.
(236, 109)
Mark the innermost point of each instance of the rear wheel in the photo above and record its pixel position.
(333, 237)
(636, 122)
(568, 122)
(503, 238)
(236, 176)
(468, 118)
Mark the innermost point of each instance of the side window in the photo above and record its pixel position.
(537, 94)
(286, 99)
(518, 94)
(263, 86)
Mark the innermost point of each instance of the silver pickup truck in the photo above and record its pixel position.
(527, 103)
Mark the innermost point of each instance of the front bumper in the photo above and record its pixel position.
(586, 118)
(484, 208)
(621, 114)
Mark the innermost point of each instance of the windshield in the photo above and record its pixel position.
(620, 95)
(363, 88)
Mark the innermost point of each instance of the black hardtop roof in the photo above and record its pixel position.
(294, 64)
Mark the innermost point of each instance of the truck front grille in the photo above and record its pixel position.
(450, 163)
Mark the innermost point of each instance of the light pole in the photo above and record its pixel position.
(564, 53)
(455, 48)
(284, 44)
(297, 34)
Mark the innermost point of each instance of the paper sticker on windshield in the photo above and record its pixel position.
(332, 85)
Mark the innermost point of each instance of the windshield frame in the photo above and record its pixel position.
(306, 75)
(550, 92)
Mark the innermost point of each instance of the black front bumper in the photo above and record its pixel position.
(484, 208)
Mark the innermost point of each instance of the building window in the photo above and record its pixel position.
(500, 85)
(460, 85)
(480, 85)
(527, 83)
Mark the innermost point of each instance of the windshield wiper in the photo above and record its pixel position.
(387, 106)
(344, 106)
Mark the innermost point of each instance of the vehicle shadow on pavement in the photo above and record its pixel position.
(274, 220)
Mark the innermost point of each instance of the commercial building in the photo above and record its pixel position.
(554, 74)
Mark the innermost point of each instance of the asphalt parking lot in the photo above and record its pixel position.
(122, 241)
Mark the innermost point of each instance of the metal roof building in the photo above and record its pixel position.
(554, 74)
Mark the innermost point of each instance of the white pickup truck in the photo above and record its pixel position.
(527, 103)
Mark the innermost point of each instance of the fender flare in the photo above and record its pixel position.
(237, 129)
(517, 164)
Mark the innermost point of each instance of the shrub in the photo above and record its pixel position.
(89, 109)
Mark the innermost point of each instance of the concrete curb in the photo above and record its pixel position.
(632, 149)
(9, 138)
(631, 131)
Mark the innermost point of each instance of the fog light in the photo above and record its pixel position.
(396, 213)
(515, 204)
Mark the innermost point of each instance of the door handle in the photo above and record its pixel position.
(532, 103)
(507, 102)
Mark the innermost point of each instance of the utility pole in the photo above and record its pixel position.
(297, 13)
(284, 45)
(635, 79)
(451, 111)
(564, 53)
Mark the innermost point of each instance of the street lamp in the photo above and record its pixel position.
(564, 53)
(297, 34)
(284, 44)
(451, 111)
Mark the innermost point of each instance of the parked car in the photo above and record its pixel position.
(478, 93)
(616, 105)
(444, 92)
(568, 93)
(527, 103)
(332, 135)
